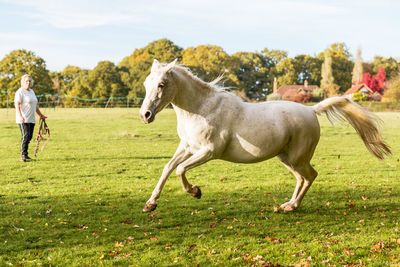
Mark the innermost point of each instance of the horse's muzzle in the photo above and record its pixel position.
(147, 116)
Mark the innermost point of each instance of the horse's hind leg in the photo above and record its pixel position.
(305, 175)
(299, 185)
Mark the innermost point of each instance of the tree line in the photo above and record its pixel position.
(250, 73)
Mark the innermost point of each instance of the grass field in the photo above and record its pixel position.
(80, 203)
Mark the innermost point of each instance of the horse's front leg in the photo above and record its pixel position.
(200, 157)
(180, 155)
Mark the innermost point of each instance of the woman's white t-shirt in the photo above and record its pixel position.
(28, 105)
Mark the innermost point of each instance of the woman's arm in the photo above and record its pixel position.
(18, 109)
(40, 113)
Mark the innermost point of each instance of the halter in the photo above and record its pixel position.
(42, 133)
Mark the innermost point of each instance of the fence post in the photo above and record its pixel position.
(108, 102)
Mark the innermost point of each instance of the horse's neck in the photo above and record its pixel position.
(191, 97)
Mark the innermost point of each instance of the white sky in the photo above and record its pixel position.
(82, 33)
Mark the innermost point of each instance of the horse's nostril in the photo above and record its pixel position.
(148, 114)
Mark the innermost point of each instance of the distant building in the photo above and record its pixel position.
(364, 90)
(291, 92)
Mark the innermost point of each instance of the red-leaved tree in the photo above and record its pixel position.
(366, 79)
(377, 82)
(381, 79)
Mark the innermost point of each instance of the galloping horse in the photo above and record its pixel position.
(215, 124)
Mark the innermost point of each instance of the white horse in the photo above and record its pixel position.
(215, 124)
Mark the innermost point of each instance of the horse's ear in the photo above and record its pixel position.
(171, 65)
(155, 66)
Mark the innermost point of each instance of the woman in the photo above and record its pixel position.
(26, 104)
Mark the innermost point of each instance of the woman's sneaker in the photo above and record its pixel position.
(25, 158)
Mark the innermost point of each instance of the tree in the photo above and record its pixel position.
(341, 65)
(209, 62)
(327, 81)
(272, 59)
(375, 83)
(358, 69)
(366, 79)
(19, 62)
(105, 81)
(308, 68)
(392, 93)
(381, 79)
(286, 72)
(390, 65)
(73, 81)
(135, 68)
(251, 72)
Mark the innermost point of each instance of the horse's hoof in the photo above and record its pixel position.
(149, 207)
(288, 207)
(197, 192)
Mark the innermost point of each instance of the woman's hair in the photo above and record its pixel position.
(26, 76)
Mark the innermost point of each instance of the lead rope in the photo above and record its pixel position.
(42, 133)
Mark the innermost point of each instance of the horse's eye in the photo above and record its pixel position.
(161, 85)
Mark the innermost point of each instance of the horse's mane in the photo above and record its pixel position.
(214, 85)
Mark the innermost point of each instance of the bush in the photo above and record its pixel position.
(303, 98)
(359, 97)
(392, 93)
(318, 94)
(273, 96)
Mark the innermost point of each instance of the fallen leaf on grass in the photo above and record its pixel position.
(257, 258)
(153, 238)
(377, 248)
(348, 252)
(114, 253)
(119, 245)
(273, 240)
(211, 252)
(212, 225)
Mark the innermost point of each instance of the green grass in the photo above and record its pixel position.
(80, 203)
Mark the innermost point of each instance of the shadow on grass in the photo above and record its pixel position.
(80, 158)
(66, 221)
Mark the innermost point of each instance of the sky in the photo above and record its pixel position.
(83, 32)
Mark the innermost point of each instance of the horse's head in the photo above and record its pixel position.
(160, 90)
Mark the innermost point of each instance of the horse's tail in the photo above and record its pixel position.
(362, 121)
